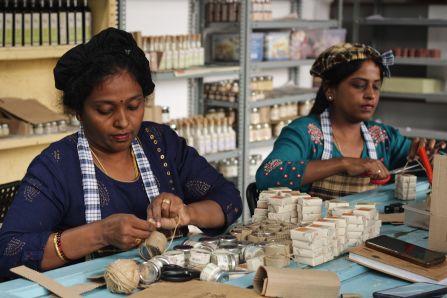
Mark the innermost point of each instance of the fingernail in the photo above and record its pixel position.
(158, 224)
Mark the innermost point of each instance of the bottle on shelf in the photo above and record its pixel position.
(44, 23)
(86, 22)
(35, 24)
(9, 24)
(54, 24)
(18, 24)
(71, 23)
(62, 22)
(27, 24)
(2, 23)
(78, 22)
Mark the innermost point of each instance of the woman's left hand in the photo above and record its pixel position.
(167, 210)
(431, 146)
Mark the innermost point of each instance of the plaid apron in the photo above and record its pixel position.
(341, 184)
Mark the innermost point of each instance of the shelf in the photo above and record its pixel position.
(195, 72)
(423, 133)
(221, 155)
(222, 104)
(282, 64)
(33, 53)
(428, 97)
(284, 95)
(261, 144)
(15, 142)
(404, 22)
(289, 24)
(421, 61)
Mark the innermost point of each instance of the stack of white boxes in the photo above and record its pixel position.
(327, 233)
(307, 246)
(281, 208)
(261, 210)
(405, 187)
(309, 209)
(332, 204)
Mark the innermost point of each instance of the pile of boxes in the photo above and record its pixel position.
(405, 187)
(326, 238)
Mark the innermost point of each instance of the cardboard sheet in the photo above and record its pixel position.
(288, 282)
(29, 110)
(194, 289)
(437, 235)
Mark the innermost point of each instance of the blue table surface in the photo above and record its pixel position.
(354, 278)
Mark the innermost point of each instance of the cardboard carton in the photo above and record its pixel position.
(22, 114)
(437, 236)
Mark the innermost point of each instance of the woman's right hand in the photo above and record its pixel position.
(372, 168)
(124, 231)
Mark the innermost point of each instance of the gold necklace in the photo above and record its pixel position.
(134, 160)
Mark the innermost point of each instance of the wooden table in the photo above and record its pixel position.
(354, 278)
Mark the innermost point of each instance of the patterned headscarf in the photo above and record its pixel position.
(344, 53)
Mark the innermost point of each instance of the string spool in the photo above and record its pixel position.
(153, 246)
(122, 276)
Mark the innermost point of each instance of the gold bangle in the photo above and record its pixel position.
(58, 247)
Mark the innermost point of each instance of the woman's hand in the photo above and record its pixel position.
(369, 167)
(124, 231)
(167, 210)
(431, 146)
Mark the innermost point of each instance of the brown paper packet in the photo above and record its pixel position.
(288, 282)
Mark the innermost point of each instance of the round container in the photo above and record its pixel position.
(62, 126)
(160, 261)
(234, 249)
(149, 273)
(225, 259)
(227, 239)
(210, 241)
(192, 243)
(211, 272)
(251, 251)
(186, 249)
(175, 257)
(199, 257)
(47, 128)
(38, 129)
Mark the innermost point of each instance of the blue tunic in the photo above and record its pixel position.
(302, 141)
(51, 198)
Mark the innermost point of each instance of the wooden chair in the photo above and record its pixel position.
(7, 194)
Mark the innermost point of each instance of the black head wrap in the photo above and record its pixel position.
(110, 42)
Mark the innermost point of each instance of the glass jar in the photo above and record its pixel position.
(38, 129)
(62, 126)
(165, 116)
(274, 113)
(251, 131)
(47, 128)
(5, 130)
(255, 117)
(278, 127)
(259, 132)
(283, 111)
(267, 131)
(253, 166)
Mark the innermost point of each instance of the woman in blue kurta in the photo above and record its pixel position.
(118, 178)
(337, 149)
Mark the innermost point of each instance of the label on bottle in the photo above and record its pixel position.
(63, 38)
(79, 26)
(27, 32)
(8, 29)
(87, 26)
(35, 28)
(71, 28)
(18, 31)
(53, 29)
(45, 27)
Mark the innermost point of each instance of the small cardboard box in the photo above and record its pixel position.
(22, 114)
(412, 85)
(437, 236)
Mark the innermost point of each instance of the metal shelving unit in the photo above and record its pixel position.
(261, 144)
(394, 100)
(287, 24)
(196, 72)
(222, 155)
(300, 95)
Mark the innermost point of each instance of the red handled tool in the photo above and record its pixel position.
(426, 163)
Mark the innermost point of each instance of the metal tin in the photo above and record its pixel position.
(192, 243)
(186, 249)
(225, 259)
(210, 241)
(148, 252)
(211, 272)
(175, 257)
(160, 261)
(234, 249)
(199, 257)
(227, 239)
(206, 247)
(149, 272)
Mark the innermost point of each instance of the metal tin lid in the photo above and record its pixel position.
(183, 247)
(149, 272)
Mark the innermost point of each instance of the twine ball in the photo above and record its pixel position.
(122, 276)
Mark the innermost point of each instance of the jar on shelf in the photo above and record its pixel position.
(54, 128)
(305, 107)
(4, 130)
(274, 113)
(283, 111)
(62, 126)
(47, 128)
(259, 132)
(38, 129)
(251, 133)
(165, 117)
(255, 117)
(278, 127)
(253, 166)
(267, 131)
(232, 167)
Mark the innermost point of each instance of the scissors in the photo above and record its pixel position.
(425, 163)
(177, 273)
